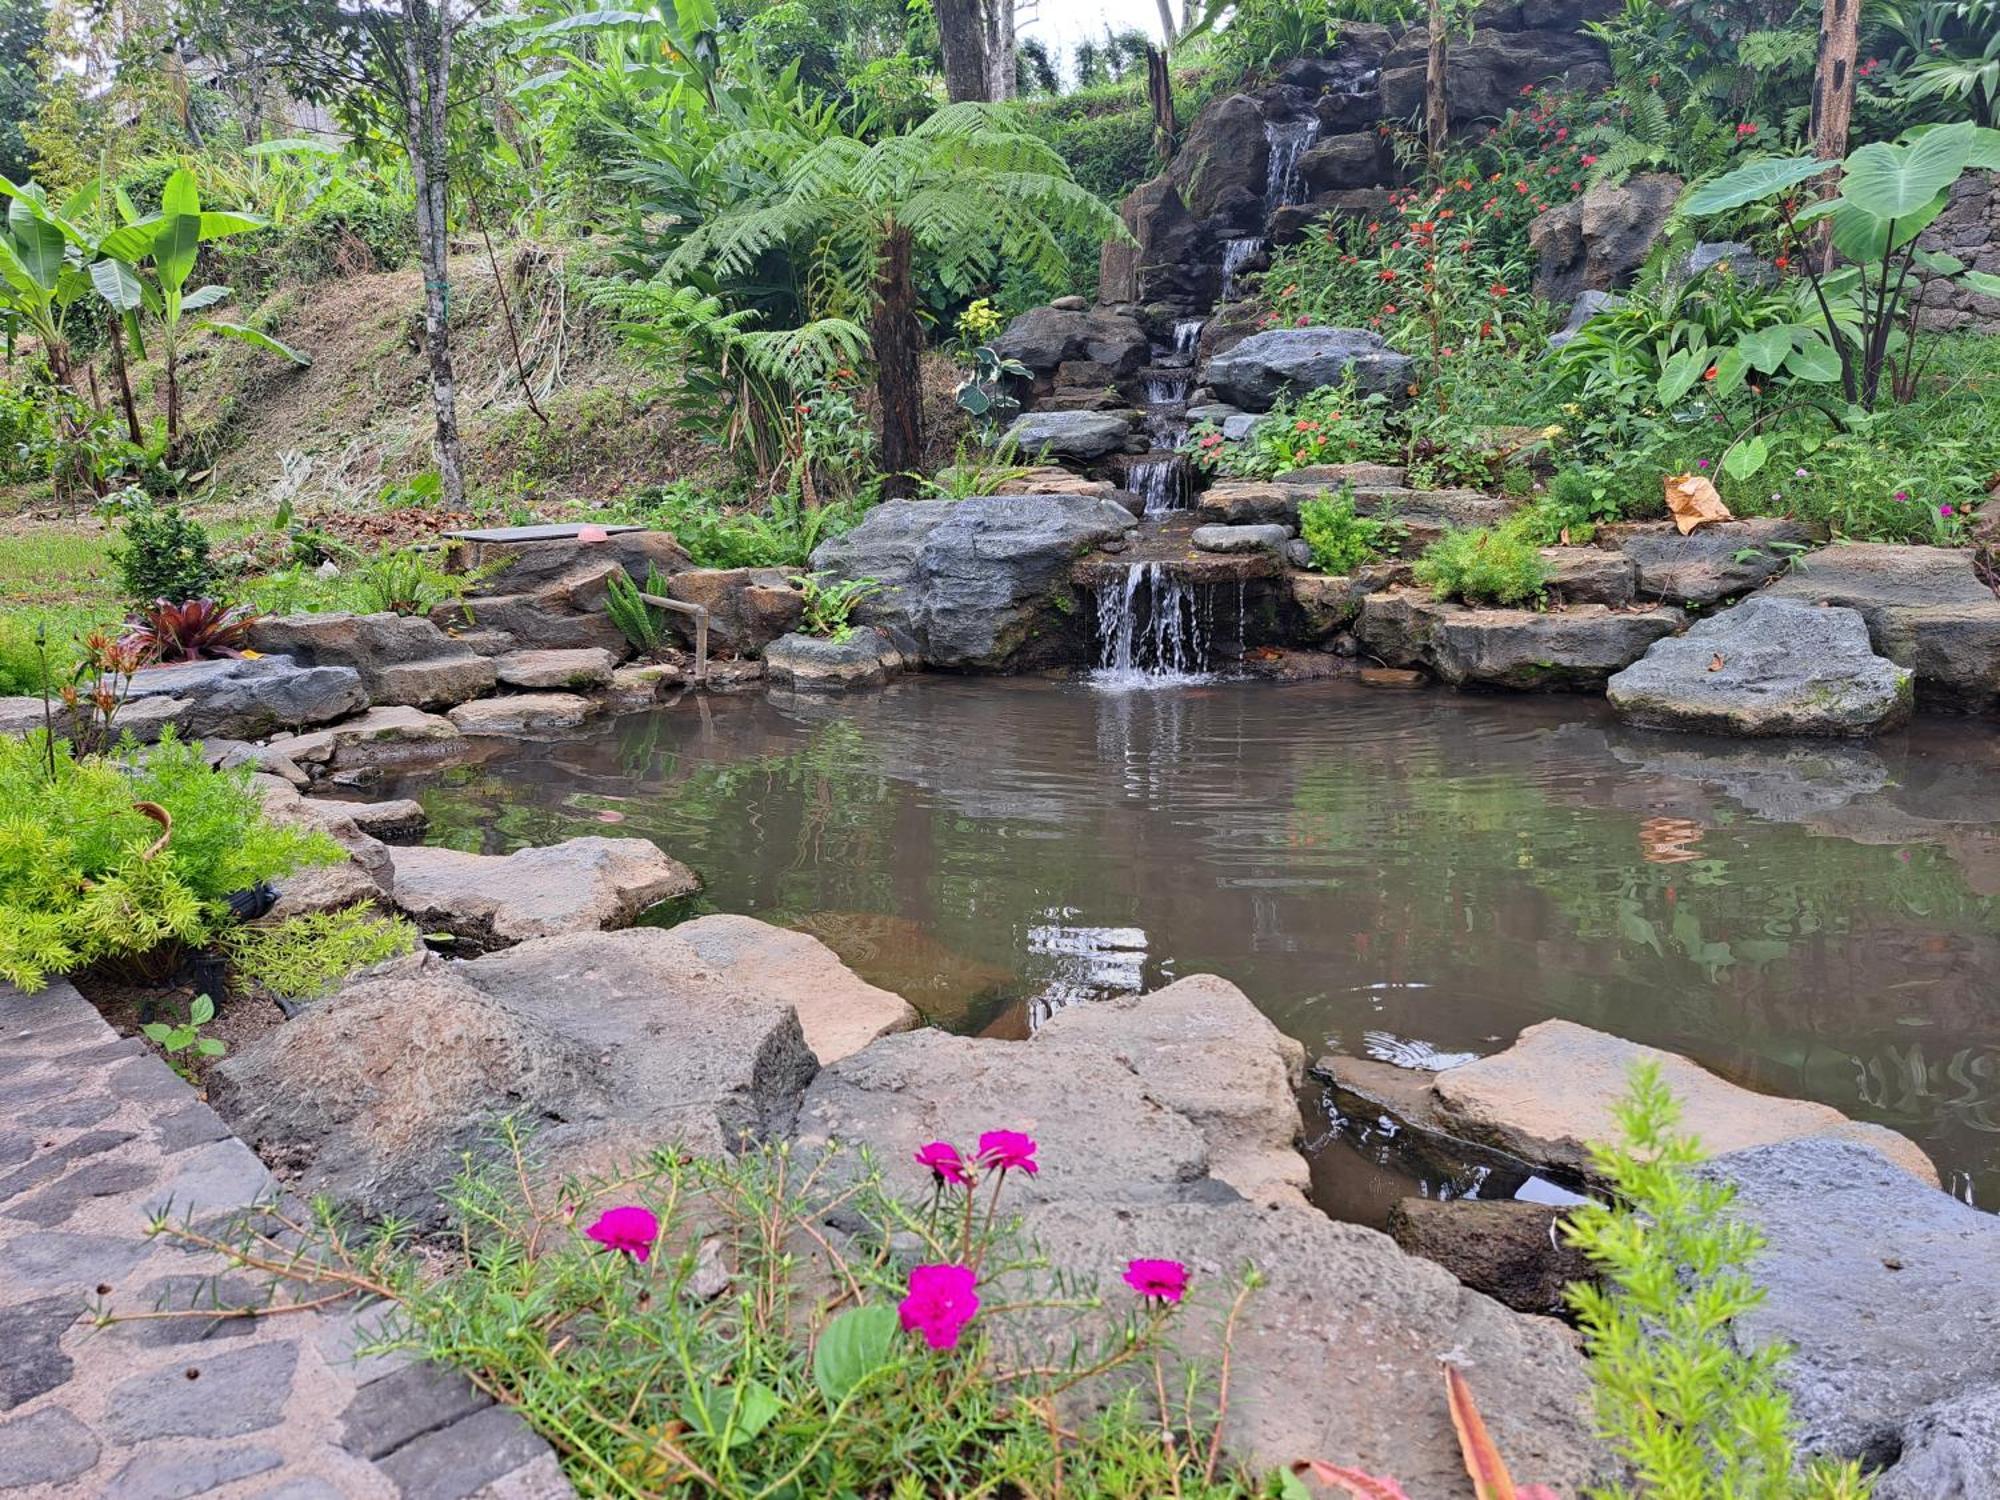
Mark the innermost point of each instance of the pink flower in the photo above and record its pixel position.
(630, 1229)
(1009, 1150)
(941, 1301)
(943, 1159)
(1900, 496)
(1157, 1280)
(1944, 510)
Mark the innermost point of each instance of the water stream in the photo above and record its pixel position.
(1289, 141)
(1154, 629)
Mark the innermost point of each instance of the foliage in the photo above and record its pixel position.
(641, 624)
(1577, 502)
(1335, 424)
(164, 555)
(983, 394)
(1108, 153)
(195, 630)
(174, 1040)
(830, 603)
(308, 956)
(1259, 35)
(1947, 66)
(781, 536)
(1495, 565)
(406, 581)
(976, 470)
(1689, 1410)
(86, 876)
(1342, 541)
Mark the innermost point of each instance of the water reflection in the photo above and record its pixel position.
(1419, 873)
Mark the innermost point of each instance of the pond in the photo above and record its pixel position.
(1409, 875)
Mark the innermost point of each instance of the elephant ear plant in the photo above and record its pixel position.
(1857, 318)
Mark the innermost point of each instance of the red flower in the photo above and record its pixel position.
(1157, 1280)
(1499, 289)
(1387, 273)
(1589, 161)
(1709, 374)
(1782, 261)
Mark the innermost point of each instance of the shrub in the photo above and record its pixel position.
(129, 861)
(308, 956)
(1335, 424)
(1675, 1397)
(1487, 566)
(165, 555)
(406, 582)
(830, 604)
(1578, 501)
(198, 630)
(1342, 541)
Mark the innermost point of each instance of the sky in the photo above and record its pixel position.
(1063, 23)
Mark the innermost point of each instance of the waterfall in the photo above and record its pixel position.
(1187, 335)
(1236, 254)
(1289, 140)
(1168, 387)
(1153, 629)
(1163, 483)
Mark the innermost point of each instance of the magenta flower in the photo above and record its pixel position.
(941, 1301)
(1701, 463)
(1157, 1280)
(631, 1230)
(1944, 510)
(1902, 494)
(1009, 1150)
(943, 1159)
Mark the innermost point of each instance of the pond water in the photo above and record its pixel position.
(1409, 875)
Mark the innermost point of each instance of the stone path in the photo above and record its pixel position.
(96, 1134)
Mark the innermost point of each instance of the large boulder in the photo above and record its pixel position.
(492, 900)
(1865, 1271)
(1487, 75)
(1710, 563)
(572, 671)
(1766, 666)
(529, 563)
(247, 699)
(980, 584)
(1597, 242)
(565, 613)
(1575, 649)
(399, 736)
(1355, 160)
(1043, 338)
(1926, 608)
(748, 608)
(405, 660)
(1255, 373)
(1078, 436)
(863, 658)
(1511, 1250)
(606, 1045)
(1168, 255)
(1221, 166)
(522, 714)
(1948, 1451)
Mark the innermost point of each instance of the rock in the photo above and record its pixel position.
(1391, 677)
(1050, 479)
(574, 671)
(1557, 1088)
(580, 885)
(1356, 160)
(1167, 258)
(1588, 575)
(748, 608)
(1127, 1107)
(1596, 242)
(1512, 1251)
(1223, 161)
(1076, 435)
(1710, 563)
(1863, 1271)
(1070, 304)
(1578, 648)
(1044, 337)
(522, 713)
(47, 1446)
(398, 736)
(403, 660)
(1949, 1450)
(1266, 366)
(521, 566)
(839, 1012)
(249, 698)
(1726, 258)
(1299, 553)
(565, 612)
(1487, 75)
(810, 663)
(438, 683)
(1766, 666)
(639, 686)
(1239, 538)
(1926, 610)
(324, 888)
(982, 583)
(1239, 428)
(1589, 303)
(243, 1390)
(399, 818)
(614, 1043)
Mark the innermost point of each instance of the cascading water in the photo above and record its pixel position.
(1168, 387)
(1154, 629)
(1187, 335)
(1236, 254)
(1163, 483)
(1289, 141)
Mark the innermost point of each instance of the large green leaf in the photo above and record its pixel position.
(220, 225)
(1983, 282)
(1891, 181)
(1765, 350)
(1864, 238)
(130, 244)
(261, 339)
(176, 240)
(854, 1346)
(1746, 458)
(1817, 360)
(181, 195)
(1747, 184)
(1678, 375)
(38, 241)
(1732, 367)
(202, 297)
(117, 284)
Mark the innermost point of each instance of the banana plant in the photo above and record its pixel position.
(41, 272)
(169, 243)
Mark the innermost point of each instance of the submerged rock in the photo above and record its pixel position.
(1576, 648)
(1514, 1252)
(1766, 667)
(579, 885)
(1266, 366)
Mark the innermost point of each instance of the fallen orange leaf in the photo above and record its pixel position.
(1715, 662)
(1692, 501)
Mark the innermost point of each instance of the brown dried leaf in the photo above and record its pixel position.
(1692, 501)
(1716, 663)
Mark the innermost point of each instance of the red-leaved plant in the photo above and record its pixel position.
(1490, 1479)
(199, 630)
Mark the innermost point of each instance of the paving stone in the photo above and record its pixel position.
(461, 1459)
(109, 1050)
(305, 1487)
(31, 1334)
(103, 1178)
(17, 1062)
(228, 1395)
(541, 1478)
(46, 1447)
(72, 1114)
(226, 1174)
(192, 1294)
(175, 1476)
(392, 1411)
(343, 1336)
(50, 1086)
(59, 1260)
(150, 1081)
(53, 1162)
(193, 1125)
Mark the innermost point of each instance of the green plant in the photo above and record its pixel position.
(421, 491)
(1487, 566)
(1690, 1411)
(174, 1040)
(129, 860)
(407, 582)
(983, 394)
(642, 625)
(196, 630)
(975, 470)
(308, 956)
(830, 604)
(1250, 37)
(1342, 541)
(1950, 67)
(1335, 424)
(1579, 499)
(783, 535)
(164, 555)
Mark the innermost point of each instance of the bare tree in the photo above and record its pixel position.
(1833, 97)
(1168, 33)
(1437, 107)
(426, 39)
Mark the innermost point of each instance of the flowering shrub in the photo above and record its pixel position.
(1335, 424)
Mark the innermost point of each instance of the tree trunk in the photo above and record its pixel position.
(1160, 94)
(1833, 100)
(1002, 60)
(898, 341)
(1168, 35)
(117, 342)
(172, 362)
(1437, 107)
(962, 34)
(426, 72)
